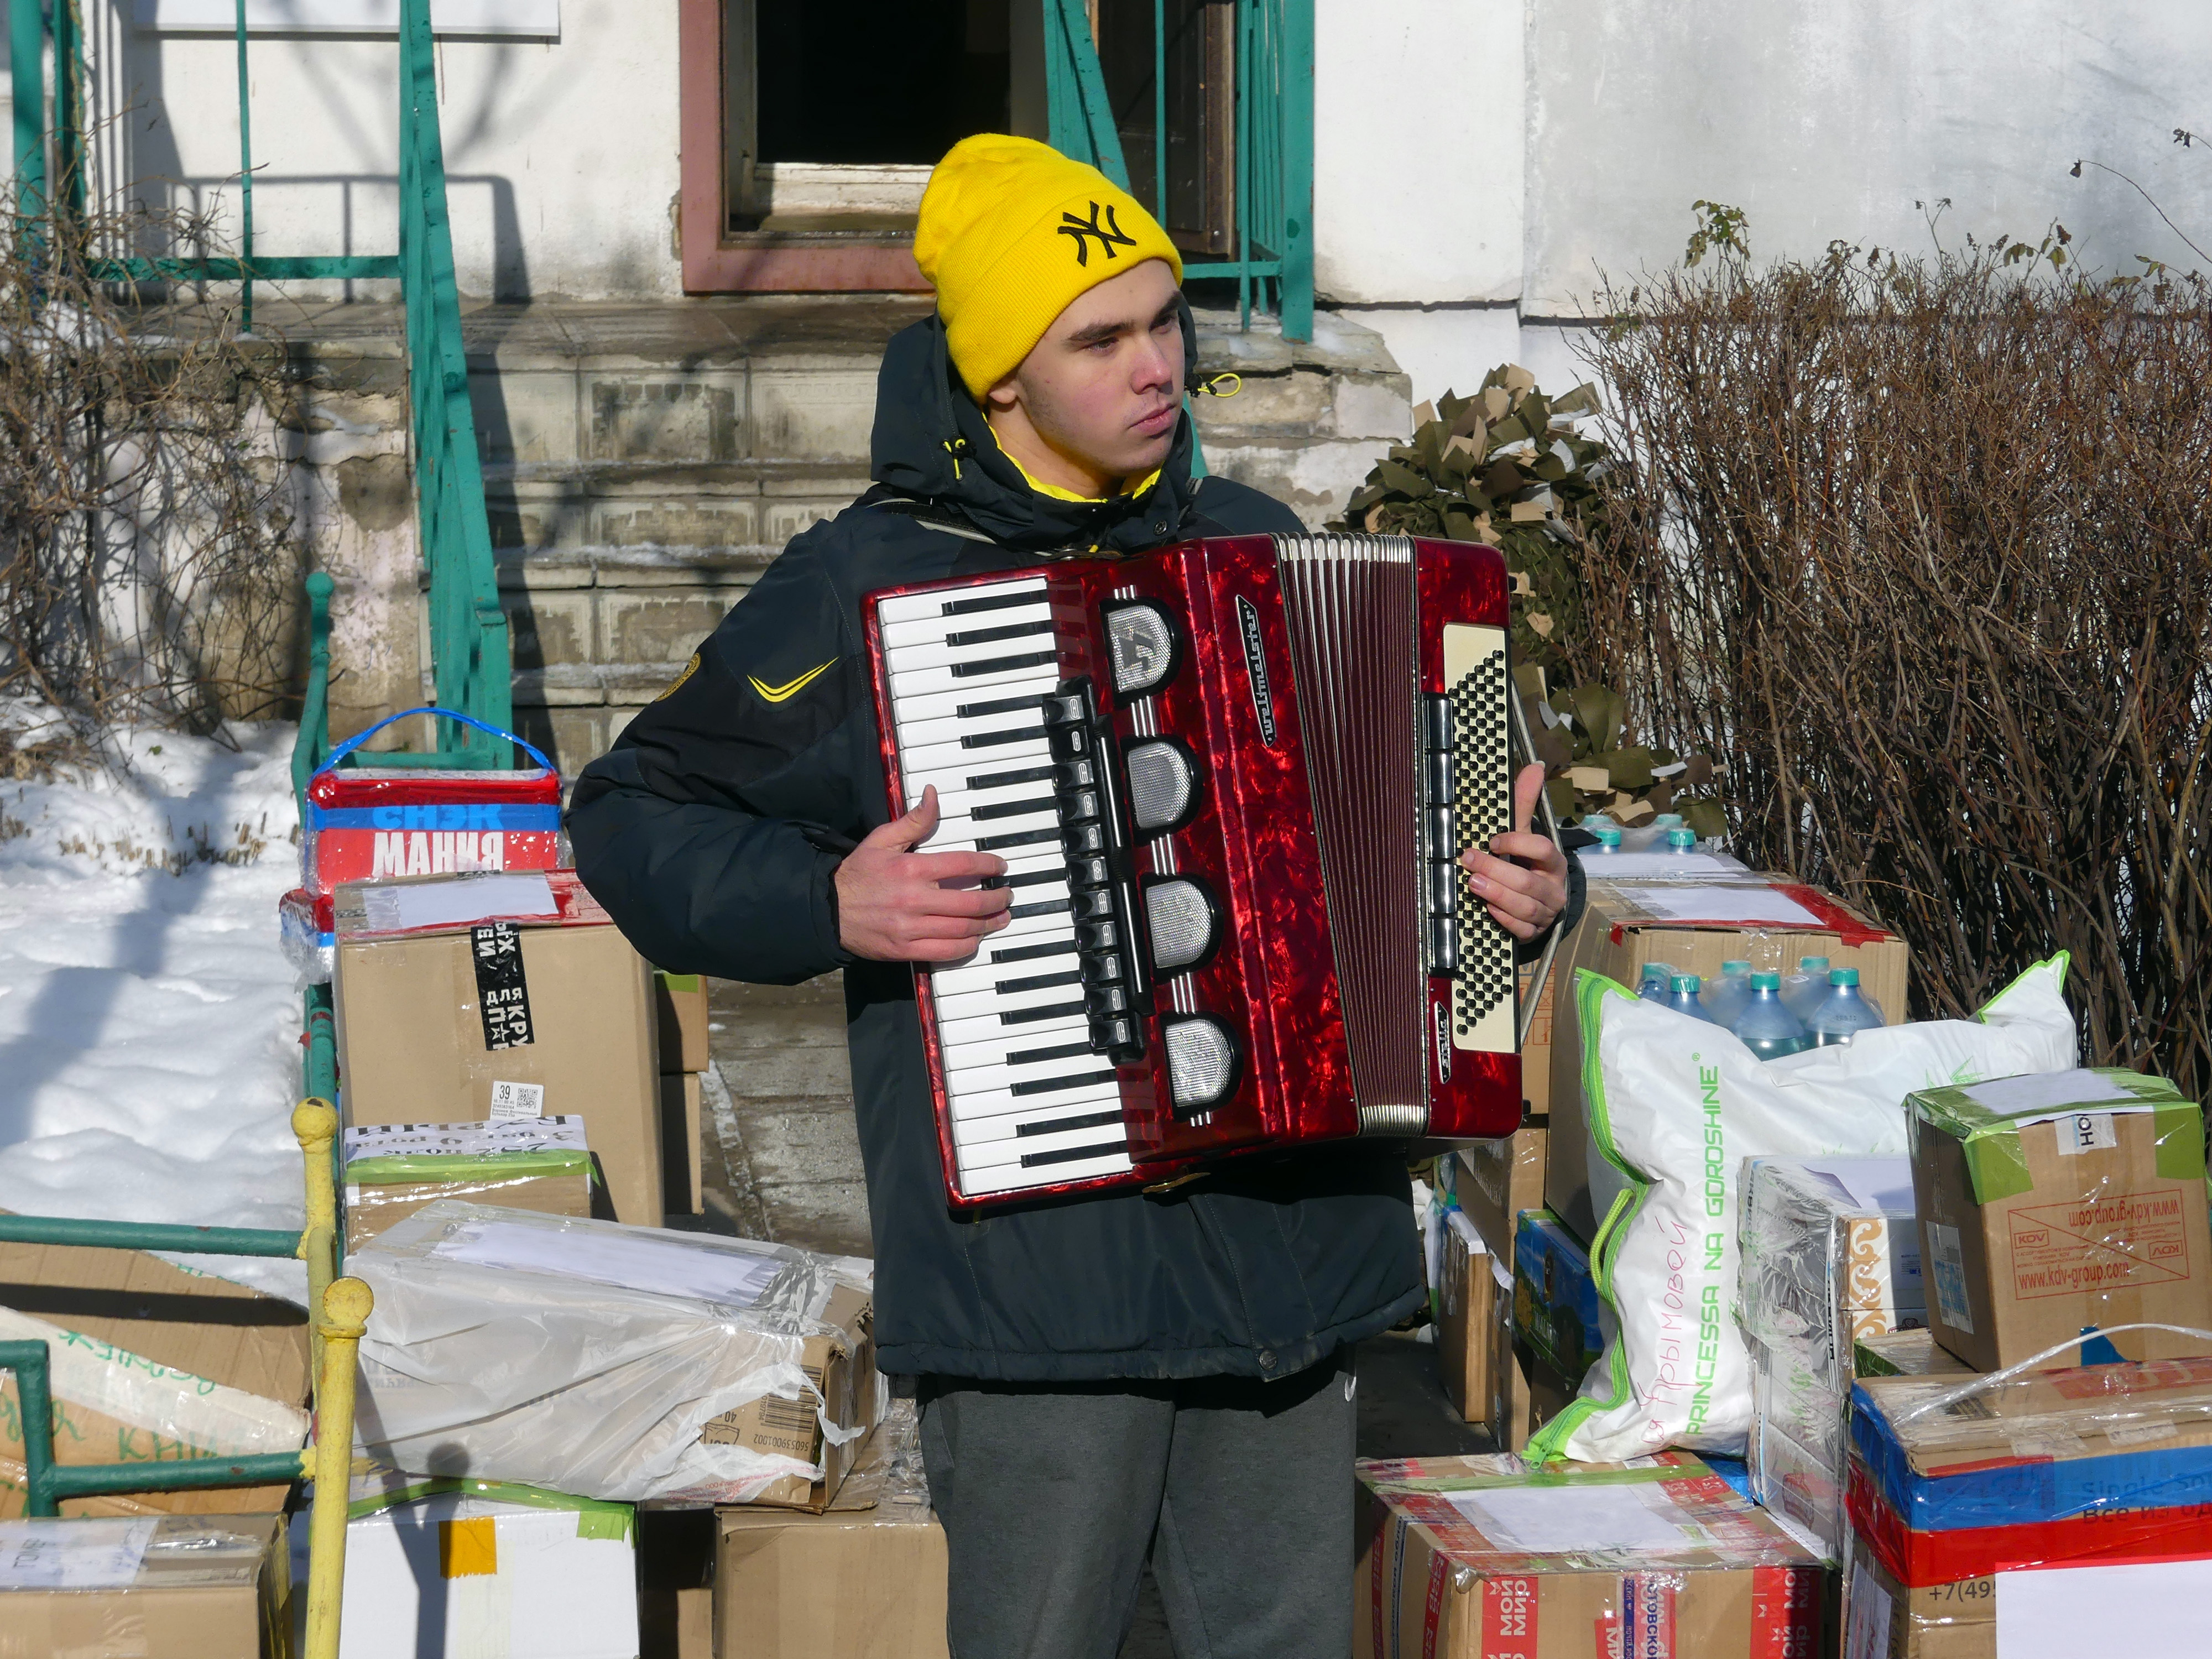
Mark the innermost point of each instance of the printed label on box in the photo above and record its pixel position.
(2088, 1131)
(1950, 1265)
(52, 1554)
(1509, 1619)
(2062, 1250)
(502, 994)
(510, 1100)
(1647, 1615)
(1868, 1634)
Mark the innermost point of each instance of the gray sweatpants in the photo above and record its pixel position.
(1053, 1496)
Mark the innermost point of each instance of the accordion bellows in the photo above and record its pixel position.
(1232, 780)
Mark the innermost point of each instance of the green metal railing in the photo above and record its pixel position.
(1272, 236)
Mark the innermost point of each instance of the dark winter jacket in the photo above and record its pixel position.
(711, 832)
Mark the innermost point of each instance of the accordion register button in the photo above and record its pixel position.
(1077, 775)
(1443, 830)
(1097, 906)
(1082, 839)
(1116, 1038)
(1087, 872)
(1078, 806)
(1444, 889)
(1106, 969)
(1063, 709)
(1098, 936)
(1441, 777)
(1444, 944)
(1105, 1001)
(1437, 721)
(1068, 742)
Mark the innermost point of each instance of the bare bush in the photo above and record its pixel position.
(1919, 548)
(145, 566)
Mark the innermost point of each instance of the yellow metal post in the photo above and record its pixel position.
(315, 1125)
(345, 1310)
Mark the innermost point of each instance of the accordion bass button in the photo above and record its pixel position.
(1444, 889)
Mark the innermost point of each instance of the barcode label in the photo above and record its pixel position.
(510, 1100)
(1950, 1277)
(789, 1417)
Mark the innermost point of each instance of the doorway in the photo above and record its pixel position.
(1169, 67)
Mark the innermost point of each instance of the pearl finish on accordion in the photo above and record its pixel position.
(1232, 778)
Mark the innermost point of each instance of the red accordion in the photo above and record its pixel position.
(1232, 780)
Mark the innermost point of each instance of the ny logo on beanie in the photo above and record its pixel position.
(1108, 238)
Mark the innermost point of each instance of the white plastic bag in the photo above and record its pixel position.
(1676, 1105)
(582, 1356)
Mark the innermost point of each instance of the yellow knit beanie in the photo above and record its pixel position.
(1011, 233)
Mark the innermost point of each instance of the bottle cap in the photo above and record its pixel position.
(1812, 964)
(1738, 966)
(1766, 981)
(1658, 970)
(1844, 976)
(1608, 839)
(1685, 984)
(1681, 840)
(1667, 821)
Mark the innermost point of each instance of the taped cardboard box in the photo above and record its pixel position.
(151, 1361)
(1499, 1179)
(864, 1580)
(155, 1587)
(840, 1361)
(1905, 1353)
(1693, 928)
(2055, 1512)
(1468, 1291)
(682, 1159)
(2060, 1204)
(504, 1020)
(392, 1169)
(1483, 1558)
(1536, 1052)
(1506, 1420)
(680, 1006)
(460, 1569)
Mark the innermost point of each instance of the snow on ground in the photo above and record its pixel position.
(149, 1026)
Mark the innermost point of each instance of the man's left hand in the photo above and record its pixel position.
(1523, 877)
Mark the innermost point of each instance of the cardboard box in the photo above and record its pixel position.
(456, 1569)
(2060, 1203)
(1536, 1052)
(1469, 1289)
(157, 1587)
(1555, 1300)
(391, 1170)
(138, 1318)
(1883, 1620)
(1499, 1179)
(1904, 1353)
(1480, 1558)
(504, 1021)
(680, 1005)
(841, 1363)
(1693, 928)
(864, 1580)
(683, 1160)
(1506, 1421)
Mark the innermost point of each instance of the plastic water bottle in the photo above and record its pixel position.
(1682, 998)
(1657, 980)
(1727, 996)
(1767, 1028)
(1608, 838)
(1846, 1014)
(1681, 840)
(1804, 991)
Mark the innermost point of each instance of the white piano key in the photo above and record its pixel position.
(1002, 1179)
(917, 629)
(988, 1154)
(952, 834)
(1023, 648)
(928, 734)
(1004, 1104)
(920, 682)
(997, 1120)
(906, 606)
(968, 1004)
(984, 974)
(1041, 683)
(1026, 1033)
(949, 765)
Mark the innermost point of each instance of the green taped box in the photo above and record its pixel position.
(393, 1170)
(2056, 1206)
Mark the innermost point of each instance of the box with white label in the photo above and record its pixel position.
(2060, 1206)
(159, 1587)
(518, 1162)
(1479, 1558)
(2059, 1513)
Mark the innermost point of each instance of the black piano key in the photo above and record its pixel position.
(1074, 1154)
(1038, 982)
(1011, 809)
(1030, 878)
(1032, 952)
(1035, 1056)
(1000, 739)
(968, 711)
(991, 602)
(1053, 1085)
(1053, 1126)
(1003, 780)
(1010, 631)
(1042, 907)
(1031, 1016)
(966, 670)
(1019, 838)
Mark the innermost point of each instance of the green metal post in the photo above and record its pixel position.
(148, 1236)
(34, 1403)
(1160, 111)
(1296, 283)
(27, 70)
(245, 180)
(314, 739)
(1081, 121)
(69, 108)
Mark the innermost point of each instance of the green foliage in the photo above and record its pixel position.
(1720, 229)
(1594, 764)
(1505, 467)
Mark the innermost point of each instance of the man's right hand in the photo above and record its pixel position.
(894, 904)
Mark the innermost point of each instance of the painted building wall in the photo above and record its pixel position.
(1483, 166)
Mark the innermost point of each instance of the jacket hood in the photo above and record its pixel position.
(932, 443)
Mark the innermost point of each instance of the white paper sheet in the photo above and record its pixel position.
(2151, 1611)
(1755, 906)
(1883, 1185)
(56, 1554)
(704, 1273)
(2054, 1091)
(1571, 1520)
(1661, 866)
(395, 909)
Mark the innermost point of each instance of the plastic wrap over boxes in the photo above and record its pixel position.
(393, 1170)
(2057, 1514)
(165, 1587)
(1488, 1558)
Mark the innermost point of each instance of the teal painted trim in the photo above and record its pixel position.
(27, 73)
(313, 741)
(319, 1065)
(183, 1474)
(1079, 121)
(1296, 289)
(146, 1235)
(35, 1399)
(245, 180)
(283, 268)
(1159, 110)
(1253, 268)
